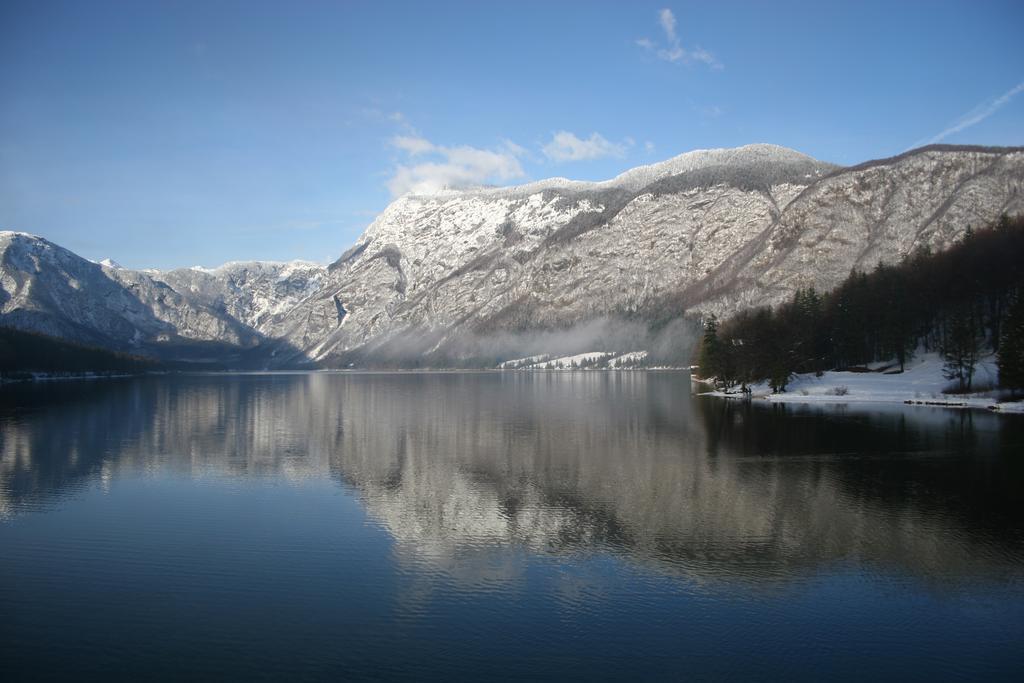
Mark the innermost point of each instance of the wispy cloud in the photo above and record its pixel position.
(451, 167)
(673, 50)
(565, 146)
(413, 145)
(975, 116)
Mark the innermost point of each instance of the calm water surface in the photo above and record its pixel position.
(554, 525)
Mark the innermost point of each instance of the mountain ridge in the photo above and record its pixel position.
(453, 273)
(637, 177)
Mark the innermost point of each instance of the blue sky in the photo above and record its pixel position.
(168, 134)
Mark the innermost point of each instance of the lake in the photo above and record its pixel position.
(584, 525)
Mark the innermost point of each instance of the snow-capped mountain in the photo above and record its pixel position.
(46, 288)
(255, 293)
(713, 230)
(707, 231)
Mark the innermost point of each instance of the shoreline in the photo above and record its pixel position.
(57, 377)
(920, 384)
(46, 377)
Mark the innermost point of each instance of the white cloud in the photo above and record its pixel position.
(672, 54)
(565, 146)
(976, 115)
(673, 50)
(668, 23)
(412, 145)
(699, 54)
(452, 167)
(514, 149)
(649, 147)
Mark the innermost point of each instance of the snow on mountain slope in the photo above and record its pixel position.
(857, 217)
(760, 159)
(545, 254)
(256, 293)
(708, 231)
(46, 288)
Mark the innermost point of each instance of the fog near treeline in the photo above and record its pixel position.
(668, 342)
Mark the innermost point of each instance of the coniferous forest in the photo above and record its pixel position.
(962, 303)
(23, 353)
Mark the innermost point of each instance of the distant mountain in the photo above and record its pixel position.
(488, 272)
(216, 315)
(255, 293)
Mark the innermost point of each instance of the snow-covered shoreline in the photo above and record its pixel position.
(596, 360)
(922, 383)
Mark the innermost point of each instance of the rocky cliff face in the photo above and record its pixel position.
(860, 216)
(258, 294)
(710, 231)
(46, 288)
(707, 231)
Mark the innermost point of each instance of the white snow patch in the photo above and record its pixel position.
(921, 383)
(596, 359)
(631, 358)
(523, 362)
(567, 361)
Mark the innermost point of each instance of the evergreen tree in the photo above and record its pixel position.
(961, 349)
(717, 358)
(710, 349)
(779, 378)
(956, 301)
(1011, 348)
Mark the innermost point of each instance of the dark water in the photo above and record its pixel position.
(531, 526)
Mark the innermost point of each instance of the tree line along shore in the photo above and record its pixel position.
(963, 304)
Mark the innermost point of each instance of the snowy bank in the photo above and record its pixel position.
(922, 383)
(597, 360)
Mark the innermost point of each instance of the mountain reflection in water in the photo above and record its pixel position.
(467, 471)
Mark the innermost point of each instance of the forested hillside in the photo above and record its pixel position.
(961, 302)
(22, 353)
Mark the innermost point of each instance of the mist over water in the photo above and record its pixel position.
(535, 525)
